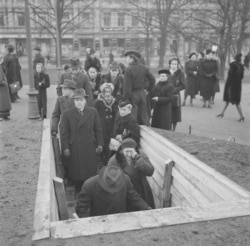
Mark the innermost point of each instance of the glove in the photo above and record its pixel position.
(99, 149)
(53, 133)
(66, 152)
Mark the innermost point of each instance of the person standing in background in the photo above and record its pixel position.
(38, 57)
(177, 78)
(42, 82)
(5, 105)
(92, 60)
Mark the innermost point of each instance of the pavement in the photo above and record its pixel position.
(203, 121)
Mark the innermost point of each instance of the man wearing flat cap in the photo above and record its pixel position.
(81, 139)
(108, 193)
(38, 57)
(138, 81)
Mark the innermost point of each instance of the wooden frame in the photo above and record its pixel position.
(222, 198)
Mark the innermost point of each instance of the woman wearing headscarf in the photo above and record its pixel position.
(232, 90)
(137, 166)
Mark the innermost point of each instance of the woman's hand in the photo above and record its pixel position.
(155, 98)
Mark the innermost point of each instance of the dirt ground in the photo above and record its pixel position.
(20, 142)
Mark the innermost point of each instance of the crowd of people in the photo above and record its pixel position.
(97, 117)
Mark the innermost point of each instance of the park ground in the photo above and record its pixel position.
(20, 143)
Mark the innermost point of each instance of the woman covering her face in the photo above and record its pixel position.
(137, 166)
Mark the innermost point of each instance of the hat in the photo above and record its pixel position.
(67, 83)
(66, 67)
(106, 85)
(111, 179)
(238, 57)
(165, 71)
(114, 66)
(79, 93)
(124, 102)
(37, 48)
(134, 54)
(192, 54)
(128, 143)
(75, 62)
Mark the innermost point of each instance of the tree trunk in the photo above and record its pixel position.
(147, 49)
(162, 47)
(223, 58)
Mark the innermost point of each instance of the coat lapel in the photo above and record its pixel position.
(75, 114)
(84, 117)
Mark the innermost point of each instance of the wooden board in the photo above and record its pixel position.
(61, 198)
(58, 159)
(41, 223)
(218, 183)
(149, 219)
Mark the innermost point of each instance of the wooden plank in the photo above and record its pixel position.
(149, 219)
(177, 199)
(167, 185)
(210, 194)
(58, 159)
(190, 188)
(156, 189)
(209, 176)
(41, 223)
(61, 198)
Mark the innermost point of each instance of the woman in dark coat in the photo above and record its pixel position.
(191, 70)
(232, 91)
(209, 73)
(177, 78)
(81, 139)
(95, 80)
(5, 105)
(106, 108)
(162, 101)
(137, 166)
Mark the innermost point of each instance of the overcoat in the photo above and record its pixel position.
(137, 172)
(232, 90)
(81, 134)
(5, 105)
(191, 79)
(106, 113)
(209, 72)
(94, 201)
(162, 113)
(62, 103)
(44, 79)
(178, 81)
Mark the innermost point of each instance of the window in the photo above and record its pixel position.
(134, 21)
(20, 19)
(86, 19)
(121, 19)
(1, 19)
(107, 19)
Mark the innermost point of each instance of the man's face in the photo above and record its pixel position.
(80, 103)
(129, 60)
(67, 91)
(163, 77)
(92, 73)
(114, 72)
(123, 111)
(74, 70)
(128, 153)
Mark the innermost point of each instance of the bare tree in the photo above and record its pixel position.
(68, 20)
(142, 12)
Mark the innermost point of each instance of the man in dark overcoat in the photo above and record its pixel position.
(108, 193)
(13, 70)
(138, 81)
(92, 60)
(81, 139)
(42, 82)
(38, 57)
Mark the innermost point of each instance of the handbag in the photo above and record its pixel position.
(15, 87)
(176, 101)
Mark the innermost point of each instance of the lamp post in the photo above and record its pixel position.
(58, 42)
(32, 106)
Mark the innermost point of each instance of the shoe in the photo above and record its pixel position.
(241, 119)
(209, 106)
(204, 106)
(220, 115)
(191, 104)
